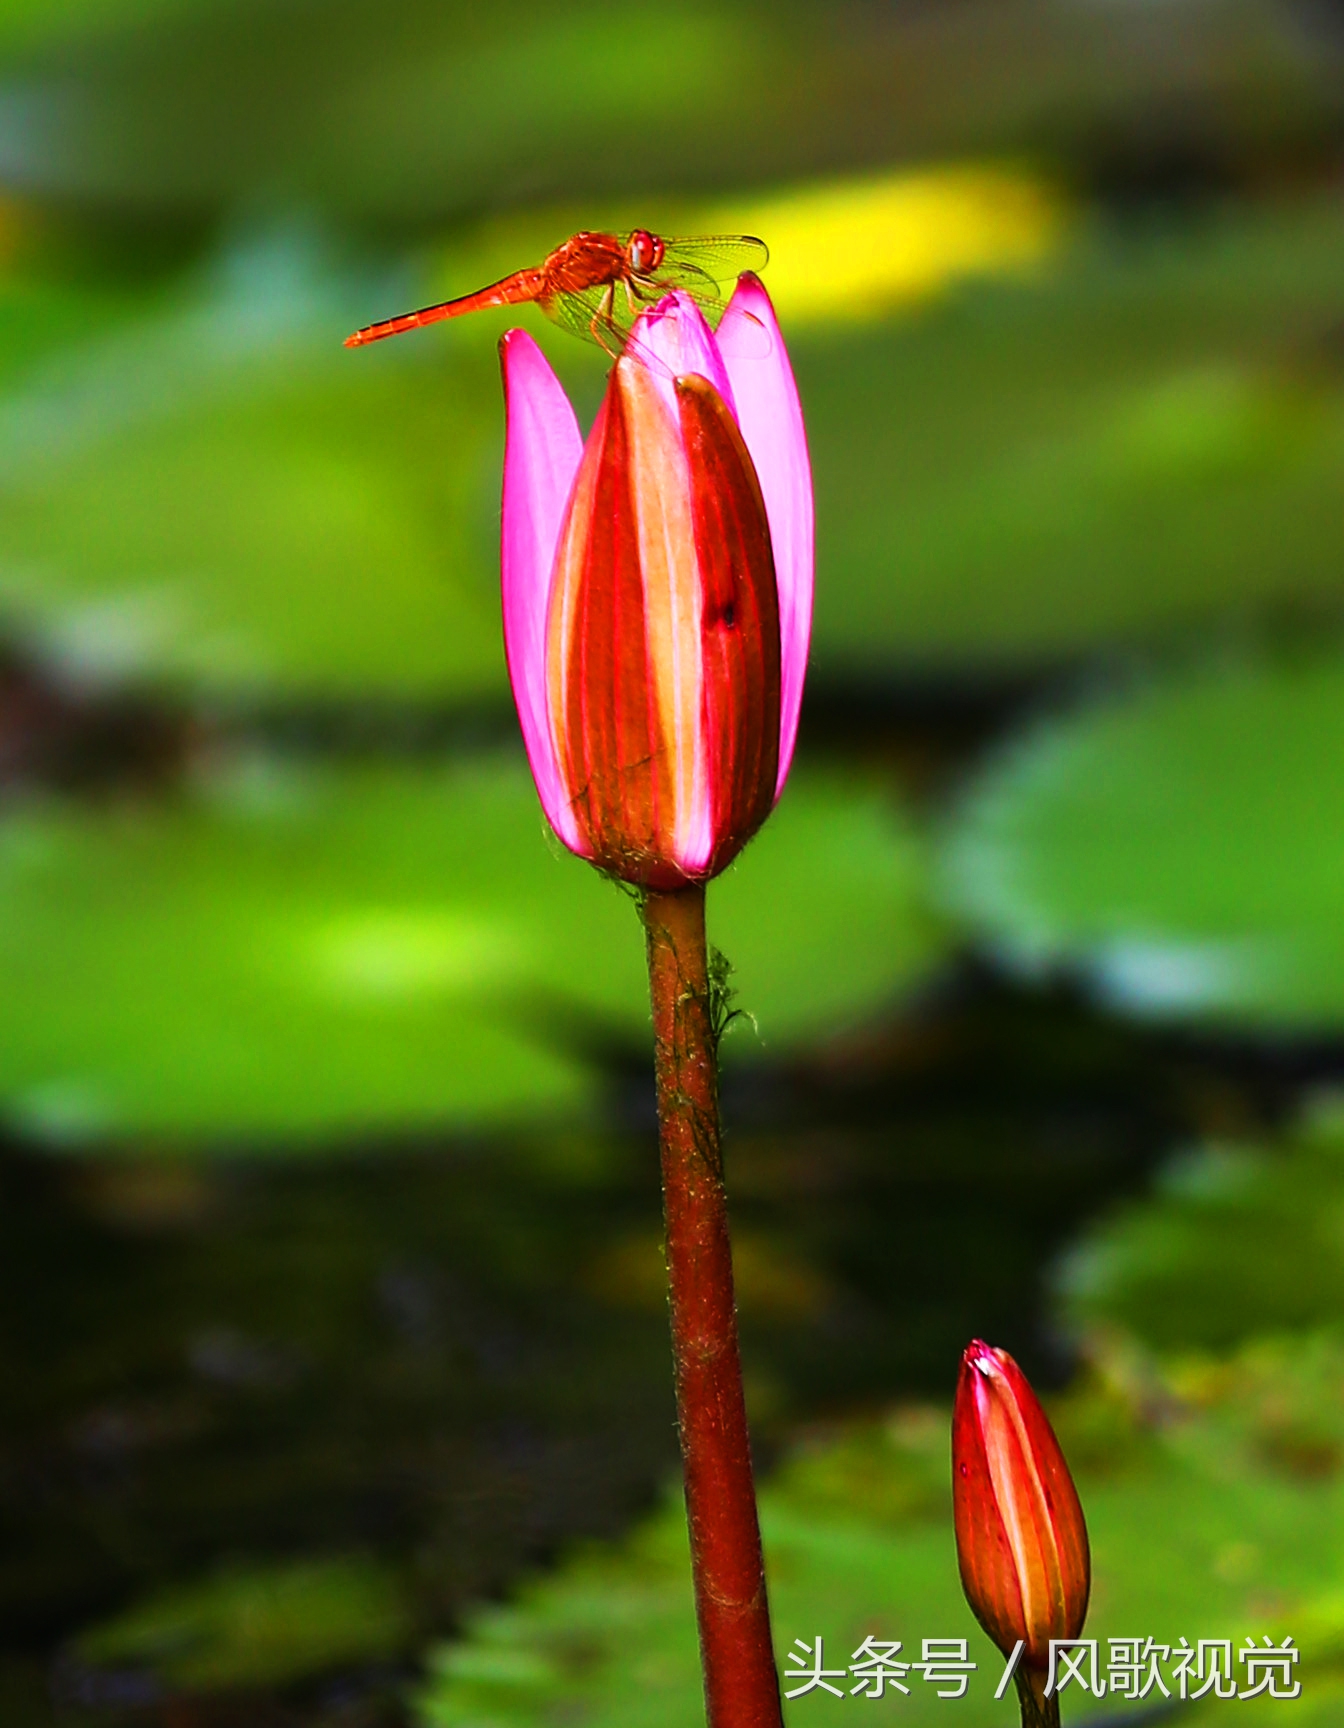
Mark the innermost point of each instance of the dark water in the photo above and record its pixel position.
(452, 1357)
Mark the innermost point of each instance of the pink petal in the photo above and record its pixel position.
(771, 418)
(542, 448)
(673, 340)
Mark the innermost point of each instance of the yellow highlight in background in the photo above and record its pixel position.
(858, 248)
(840, 250)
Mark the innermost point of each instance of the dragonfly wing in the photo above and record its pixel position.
(698, 283)
(702, 267)
(600, 314)
(716, 257)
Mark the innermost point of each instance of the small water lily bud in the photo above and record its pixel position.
(1021, 1538)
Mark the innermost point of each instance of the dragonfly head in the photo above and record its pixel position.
(643, 251)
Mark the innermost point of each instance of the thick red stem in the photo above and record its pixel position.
(741, 1684)
(1038, 1711)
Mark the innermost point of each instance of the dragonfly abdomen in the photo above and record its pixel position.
(515, 290)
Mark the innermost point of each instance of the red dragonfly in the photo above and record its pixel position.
(596, 285)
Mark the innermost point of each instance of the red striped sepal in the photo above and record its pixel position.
(663, 644)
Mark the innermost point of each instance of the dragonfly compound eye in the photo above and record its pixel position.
(645, 250)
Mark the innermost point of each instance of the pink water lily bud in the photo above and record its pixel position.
(657, 586)
(1021, 1539)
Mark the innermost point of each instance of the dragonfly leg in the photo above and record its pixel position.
(601, 324)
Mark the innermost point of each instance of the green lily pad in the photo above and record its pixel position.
(1192, 1535)
(258, 1627)
(1234, 1240)
(286, 954)
(228, 498)
(1148, 436)
(1179, 849)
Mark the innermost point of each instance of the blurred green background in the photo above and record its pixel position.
(334, 1388)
